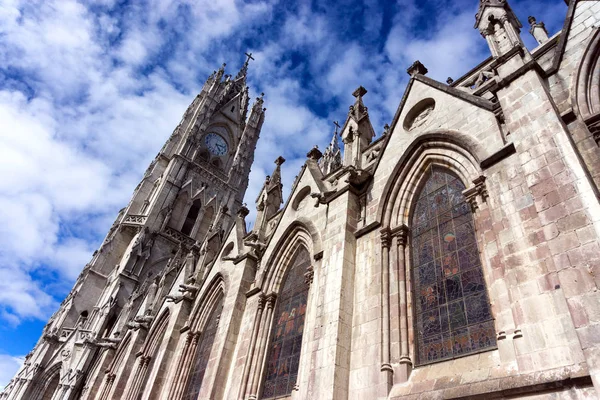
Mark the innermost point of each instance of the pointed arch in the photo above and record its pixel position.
(452, 312)
(587, 81)
(181, 204)
(287, 327)
(205, 223)
(282, 307)
(121, 352)
(197, 347)
(456, 152)
(202, 309)
(44, 380)
(301, 232)
(147, 357)
(191, 217)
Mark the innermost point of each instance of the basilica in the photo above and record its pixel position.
(455, 255)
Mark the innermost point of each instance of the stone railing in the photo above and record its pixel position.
(135, 220)
(178, 236)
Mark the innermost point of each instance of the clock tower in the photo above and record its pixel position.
(176, 220)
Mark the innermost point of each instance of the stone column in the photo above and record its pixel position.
(252, 346)
(401, 235)
(386, 366)
(184, 365)
(257, 369)
(139, 376)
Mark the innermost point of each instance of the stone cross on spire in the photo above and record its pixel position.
(337, 126)
(244, 69)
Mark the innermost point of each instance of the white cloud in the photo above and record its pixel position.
(8, 367)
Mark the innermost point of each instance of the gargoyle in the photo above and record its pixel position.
(322, 198)
(137, 325)
(191, 289)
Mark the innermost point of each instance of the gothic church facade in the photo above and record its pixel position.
(455, 255)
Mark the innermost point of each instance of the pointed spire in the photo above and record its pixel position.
(244, 70)
(332, 157)
(358, 110)
(538, 30)
(499, 25)
(275, 181)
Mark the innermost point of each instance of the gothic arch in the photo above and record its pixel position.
(145, 363)
(300, 236)
(199, 318)
(204, 307)
(456, 152)
(452, 152)
(587, 81)
(43, 381)
(110, 373)
(301, 232)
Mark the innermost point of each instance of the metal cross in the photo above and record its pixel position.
(249, 57)
(337, 126)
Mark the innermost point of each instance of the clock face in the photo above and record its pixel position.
(215, 144)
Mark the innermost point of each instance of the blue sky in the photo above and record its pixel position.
(90, 90)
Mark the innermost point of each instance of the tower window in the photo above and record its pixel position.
(452, 310)
(190, 219)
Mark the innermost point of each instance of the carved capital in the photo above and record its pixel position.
(593, 125)
(262, 299)
(309, 275)
(271, 300)
(386, 238)
(476, 194)
(401, 234)
(196, 338)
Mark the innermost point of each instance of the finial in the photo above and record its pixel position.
(449, 81)
(386, 129)
(359, 92)
(314, 153)
(280, 160)
(417, 68)
(538, 30)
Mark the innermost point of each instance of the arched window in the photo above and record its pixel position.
(52, 387)
(190, 219)
(203, 353)
(283, 358)
(452, 310)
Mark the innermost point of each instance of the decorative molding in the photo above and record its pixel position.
(309, 275)
(401, 233)
(498, 156)
(386, 238)
(367, 229)
(476, 194)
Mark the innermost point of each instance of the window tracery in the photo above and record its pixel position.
(286, 336)
(452, 310)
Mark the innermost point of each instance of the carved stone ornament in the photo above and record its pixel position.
(419, 114)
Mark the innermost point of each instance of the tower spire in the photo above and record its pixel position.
(332, 157)
(499, 25)
(244, 70)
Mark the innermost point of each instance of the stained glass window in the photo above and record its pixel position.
(288, 325)
(453, 316)
(203, 353)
